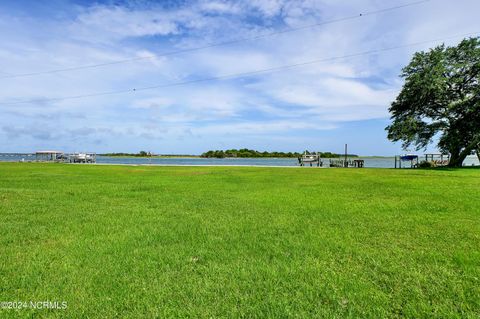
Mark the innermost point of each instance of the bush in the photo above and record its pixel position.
(426, 164)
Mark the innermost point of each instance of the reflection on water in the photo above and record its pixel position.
(383, 162)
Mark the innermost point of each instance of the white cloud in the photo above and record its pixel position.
(268, 8)
(220, 7)
(118, 22)
(255, 128)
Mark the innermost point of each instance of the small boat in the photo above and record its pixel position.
(310, 159)
(82, 158)
(61, 157)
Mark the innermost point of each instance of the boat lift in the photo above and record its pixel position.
(412, 158)
(312, 159)
(82, 158)
(49, 156)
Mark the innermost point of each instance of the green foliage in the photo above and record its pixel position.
(441, 95)
(239, 242)
(333, 155)
(244, 152)
(139, 154)
(426, 164)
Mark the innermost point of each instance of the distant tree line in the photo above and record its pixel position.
(244, 152)
(139, 154)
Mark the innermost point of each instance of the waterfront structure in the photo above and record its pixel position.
(49, 156)
(82, 158)
(312, 159)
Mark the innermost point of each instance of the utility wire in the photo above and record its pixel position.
(240, 75)
(217, 44)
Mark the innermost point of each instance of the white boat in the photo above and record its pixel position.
(310, 159)
(82, 158)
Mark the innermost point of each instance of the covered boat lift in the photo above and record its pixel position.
(412, 158)
(49, 156)
(82, 158)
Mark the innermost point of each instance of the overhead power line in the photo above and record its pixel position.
(239, 75)
(217, 44)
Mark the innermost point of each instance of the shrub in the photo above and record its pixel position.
(426, 164)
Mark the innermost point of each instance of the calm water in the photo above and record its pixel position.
(383, 162)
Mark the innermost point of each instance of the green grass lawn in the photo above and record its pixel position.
(199, 242)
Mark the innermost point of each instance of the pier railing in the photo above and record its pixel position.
(358, 163)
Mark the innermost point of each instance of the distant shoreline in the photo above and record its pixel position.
(199, 156)
(152, 156)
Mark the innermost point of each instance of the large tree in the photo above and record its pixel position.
(440, 99)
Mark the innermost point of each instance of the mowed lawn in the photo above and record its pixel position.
(223, 242)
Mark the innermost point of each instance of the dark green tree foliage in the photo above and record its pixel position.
(139, 154)
(440, 98)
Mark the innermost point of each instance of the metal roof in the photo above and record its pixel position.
(48, 152)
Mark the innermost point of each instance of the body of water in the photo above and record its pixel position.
(373, 162)
(370, 162)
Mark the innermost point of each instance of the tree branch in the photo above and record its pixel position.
(473, 145)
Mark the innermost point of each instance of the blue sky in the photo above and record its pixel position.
(317, 107)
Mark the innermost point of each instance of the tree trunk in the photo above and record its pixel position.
(456, 160)
(478, 153)
(457, 157)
